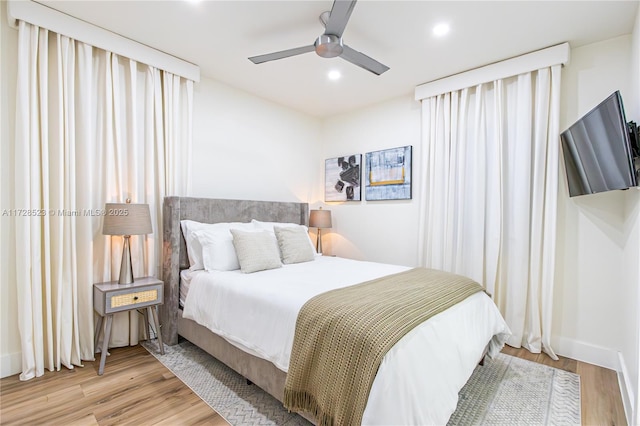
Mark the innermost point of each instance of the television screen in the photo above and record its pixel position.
(597, 150)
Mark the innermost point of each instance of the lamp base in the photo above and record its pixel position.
(319, 243)
(126, 272)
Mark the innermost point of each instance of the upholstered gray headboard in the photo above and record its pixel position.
(207, 210)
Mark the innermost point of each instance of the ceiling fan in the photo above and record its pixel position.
(329, 44)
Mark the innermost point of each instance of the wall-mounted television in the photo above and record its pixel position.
(599, 151)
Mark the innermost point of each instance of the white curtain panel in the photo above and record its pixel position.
(91, 128)
(489, 194)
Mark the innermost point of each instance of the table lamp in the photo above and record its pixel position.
(320, 219)
(126, 219)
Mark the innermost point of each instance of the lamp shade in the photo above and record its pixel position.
(126, 219)
(320, 219)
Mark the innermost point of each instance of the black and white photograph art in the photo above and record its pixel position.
(388, 174)
(342, 178)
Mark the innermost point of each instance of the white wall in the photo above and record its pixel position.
(380, 231)
(593, 235)
(10, 359)
(245, 147)
(630, 348)
(596, 298)
(632, 354)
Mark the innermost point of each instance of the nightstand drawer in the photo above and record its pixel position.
(109, 298)
(128, 299)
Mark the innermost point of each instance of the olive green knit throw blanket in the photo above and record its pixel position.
(342, 335)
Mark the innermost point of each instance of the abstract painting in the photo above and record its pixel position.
(388, 174)
(342, 178)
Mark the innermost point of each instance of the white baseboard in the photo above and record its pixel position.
(586, 352)
(626, 390)
(10, 364)
(603, 357)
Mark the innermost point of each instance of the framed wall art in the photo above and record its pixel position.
(342, 178)
(388, 174)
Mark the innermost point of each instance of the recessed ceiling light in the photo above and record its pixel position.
(334, 75)
(441, 29)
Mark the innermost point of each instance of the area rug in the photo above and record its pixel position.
(505, 391)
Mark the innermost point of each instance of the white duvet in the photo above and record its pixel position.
(419, 378)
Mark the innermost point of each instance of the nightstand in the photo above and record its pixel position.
(110, 298)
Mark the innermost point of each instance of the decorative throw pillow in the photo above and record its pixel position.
(268, 226)
(294, 244)
(256, 251)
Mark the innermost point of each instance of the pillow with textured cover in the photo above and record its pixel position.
(268, 226)
(294, 244)
(218, 252)
(256, 251)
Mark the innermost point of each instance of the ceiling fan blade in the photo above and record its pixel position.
(340, 13)
(362, 60)
(282, 54)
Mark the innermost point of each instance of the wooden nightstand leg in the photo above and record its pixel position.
(152, 311)
(105, 344)
(97, 332)
(146, 326)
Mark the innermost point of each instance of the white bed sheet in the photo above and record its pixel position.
(419, 379)
(185, 283)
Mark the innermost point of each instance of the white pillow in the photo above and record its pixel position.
(256, 251)
(218, 252)
(293, 244)
(268, 226)
(194, 250)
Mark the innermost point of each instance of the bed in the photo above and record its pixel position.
(418, 379)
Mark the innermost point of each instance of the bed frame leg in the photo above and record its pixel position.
(484, 355)
(249, 382)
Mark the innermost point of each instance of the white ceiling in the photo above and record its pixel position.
(219, 36)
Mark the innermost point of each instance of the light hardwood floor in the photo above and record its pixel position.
(137, 389)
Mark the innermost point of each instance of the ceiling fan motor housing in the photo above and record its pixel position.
(328, 46)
